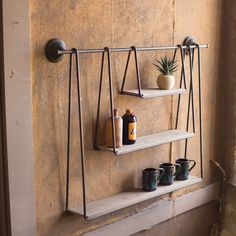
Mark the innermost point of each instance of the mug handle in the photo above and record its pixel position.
(162, 172)
(194, 163)
(176, 164)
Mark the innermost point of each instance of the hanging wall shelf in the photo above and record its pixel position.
(56, 49)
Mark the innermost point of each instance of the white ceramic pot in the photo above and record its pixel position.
(165, 81)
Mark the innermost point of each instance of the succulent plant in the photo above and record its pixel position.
(167, 66)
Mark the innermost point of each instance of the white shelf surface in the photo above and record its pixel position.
(152, 141)
(125, 199)
(155, 92)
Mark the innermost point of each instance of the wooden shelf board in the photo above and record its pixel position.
(129, 198)
(154, 92)
(152, 141)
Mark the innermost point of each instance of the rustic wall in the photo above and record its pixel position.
(229, 219)
(228, 88)
(228, 114)
(94, 24)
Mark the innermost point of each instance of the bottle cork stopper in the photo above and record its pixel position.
(128, 110)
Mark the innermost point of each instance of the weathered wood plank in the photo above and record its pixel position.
(125, 199)
(155, 92)
(152, 141)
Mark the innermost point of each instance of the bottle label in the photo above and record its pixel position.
(132, 131)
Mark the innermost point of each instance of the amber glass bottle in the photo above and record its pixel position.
(129, 127)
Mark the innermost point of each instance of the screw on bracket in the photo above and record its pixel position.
(52, 48)
(189, 41)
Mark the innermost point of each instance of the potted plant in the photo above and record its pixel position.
(167, 66)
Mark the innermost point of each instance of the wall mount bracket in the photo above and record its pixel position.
(188, 41)
(53, 48)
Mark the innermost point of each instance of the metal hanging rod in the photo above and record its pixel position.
(56, 48)
(99, 50)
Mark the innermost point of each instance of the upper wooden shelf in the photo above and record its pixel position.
(125, 199)
(152, 141)
(154, 92)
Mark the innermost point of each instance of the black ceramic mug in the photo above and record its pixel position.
(168, 177)
(151, 177)
(182, 171)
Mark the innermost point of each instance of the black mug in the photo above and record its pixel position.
(168, 177)
(150, 178)
(182, 171)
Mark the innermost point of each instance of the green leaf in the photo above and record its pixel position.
(166, 65)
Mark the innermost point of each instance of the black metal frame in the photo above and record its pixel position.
(55, 50)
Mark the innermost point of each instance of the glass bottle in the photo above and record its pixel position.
(118, 122)
(129, 127)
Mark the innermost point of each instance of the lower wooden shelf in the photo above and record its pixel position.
(152, 140)
(125, 199)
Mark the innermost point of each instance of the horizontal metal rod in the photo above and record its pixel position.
(99, 50)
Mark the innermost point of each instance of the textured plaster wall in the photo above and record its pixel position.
(228, 95)
(122, 23)
(228, 90)
(229, 220)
